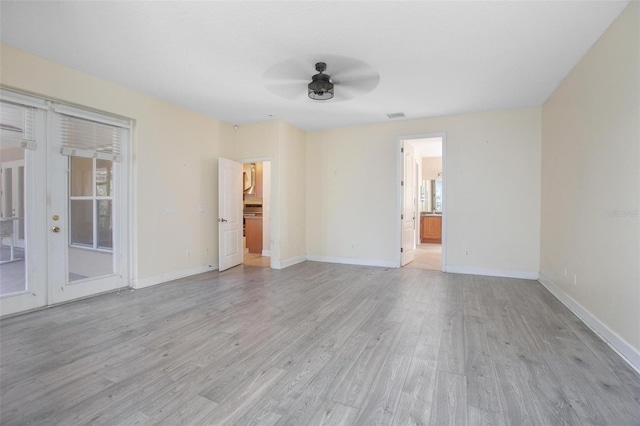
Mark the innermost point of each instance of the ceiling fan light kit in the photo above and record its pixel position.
(321, 87)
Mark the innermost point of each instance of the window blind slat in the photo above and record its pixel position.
(86, 138)
(17, 126)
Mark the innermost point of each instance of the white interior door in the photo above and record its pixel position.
(230, 213)
(409, 202)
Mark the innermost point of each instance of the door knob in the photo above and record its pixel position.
(56, 229)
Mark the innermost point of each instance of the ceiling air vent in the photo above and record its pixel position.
(396, 115)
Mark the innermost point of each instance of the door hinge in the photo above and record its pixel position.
(401, 250)
(401, 216)
(401, 183)
(401, 149)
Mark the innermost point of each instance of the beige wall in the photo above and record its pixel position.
(174, 163)
(431, 166)
(284, 145)
(493, 191)
(591, 180)
(292, 175)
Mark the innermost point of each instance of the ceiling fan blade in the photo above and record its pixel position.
(290, 70)
(355, 86)
(287, 89)
(288, 79)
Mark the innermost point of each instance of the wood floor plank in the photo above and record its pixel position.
(478, 417)
(380, 404)
(450, 402)
(334, 414)
(315, 343)
(513, 394)
(482, 386)
(451, 348)
(416, 400)
(305, 409)
(352, 390)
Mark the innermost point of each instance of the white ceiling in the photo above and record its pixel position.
(427, 147)
(434, 58)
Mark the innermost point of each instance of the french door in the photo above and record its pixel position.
(75, 208)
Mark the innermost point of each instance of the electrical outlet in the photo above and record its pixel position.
(575, 280)
(466, 253)
(565, 271)
(188, 254)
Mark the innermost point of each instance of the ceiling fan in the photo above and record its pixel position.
(344, 78)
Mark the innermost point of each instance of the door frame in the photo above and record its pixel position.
(271, 209)
(399, 189)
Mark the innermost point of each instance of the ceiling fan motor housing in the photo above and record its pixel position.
(321, 87)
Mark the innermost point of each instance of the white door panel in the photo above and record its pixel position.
(409, 215)
(230, 210)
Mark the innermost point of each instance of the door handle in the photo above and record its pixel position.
(222, 220)
(56, 229)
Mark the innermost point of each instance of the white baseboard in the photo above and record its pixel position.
(288, 262)
(352, 261)
(266, 253)
(504, 273)
(170, 276)
(630, 354)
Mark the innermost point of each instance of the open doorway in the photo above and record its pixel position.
(256, 200)
(428, 152)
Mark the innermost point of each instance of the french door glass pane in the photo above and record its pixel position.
(91, 218)
(85, 263)
(12, 220)
(21, 189)
(104, 178)
(105, 224)
(81, 222)
(81, 177)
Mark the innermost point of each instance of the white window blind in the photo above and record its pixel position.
(81, 137)
(17, 126)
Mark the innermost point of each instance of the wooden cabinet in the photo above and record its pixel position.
(253, 232)
(431, 229)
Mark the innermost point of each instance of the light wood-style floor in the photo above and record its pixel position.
(314, 343)
(256, 260)
(427, 256)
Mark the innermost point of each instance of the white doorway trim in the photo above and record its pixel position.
(272, 252)
(399, 177)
